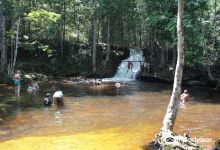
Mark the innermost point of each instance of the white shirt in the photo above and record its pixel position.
(58, 94)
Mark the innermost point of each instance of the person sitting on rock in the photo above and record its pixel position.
(58, 98)
(47, 100)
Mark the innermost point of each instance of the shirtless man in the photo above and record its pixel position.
(184, 97)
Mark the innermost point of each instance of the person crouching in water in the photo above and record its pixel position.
(47, 100)
(32, 87)
(58, 98)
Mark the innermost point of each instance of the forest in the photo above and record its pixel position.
(90, 37)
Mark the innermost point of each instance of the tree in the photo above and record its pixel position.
(2, 40)
(94, 26)
(170, 117)
(167, 139)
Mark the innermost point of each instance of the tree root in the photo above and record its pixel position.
(168, 140)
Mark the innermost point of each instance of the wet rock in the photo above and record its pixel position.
(38, 76)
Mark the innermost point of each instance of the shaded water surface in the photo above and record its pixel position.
(105, 117)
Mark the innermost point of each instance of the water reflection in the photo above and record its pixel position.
(58, 118)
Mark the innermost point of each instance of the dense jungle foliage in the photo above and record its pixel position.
(80, 37)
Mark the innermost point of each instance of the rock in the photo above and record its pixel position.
(31, 76)
(27, 76)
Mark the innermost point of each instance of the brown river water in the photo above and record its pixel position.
(106, 117)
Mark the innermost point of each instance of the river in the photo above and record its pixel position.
(105, 117)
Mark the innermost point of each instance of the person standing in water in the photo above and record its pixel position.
(184, 97)
(17, 82)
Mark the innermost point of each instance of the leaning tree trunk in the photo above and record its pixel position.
(170, 117)
(167, 139)
(2, 42)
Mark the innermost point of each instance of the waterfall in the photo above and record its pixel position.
(126, 72)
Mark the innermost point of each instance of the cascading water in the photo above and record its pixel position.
(130, 67)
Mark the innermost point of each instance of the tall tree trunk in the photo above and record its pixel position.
(162, 58)
(211, 77)
(14, 49)
(134, 37)
(16, 44)
(108, 40)
(62, 27)
(98, 31)
(61, 42)
(174, 59)
(94, 43)
(205, 48)
(140, 36)
(124, 35)
(167, 52)
(78, 29)
(2, 41)
(170, 117)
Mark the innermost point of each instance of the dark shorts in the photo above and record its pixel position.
(17, 82)
(59, 101)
